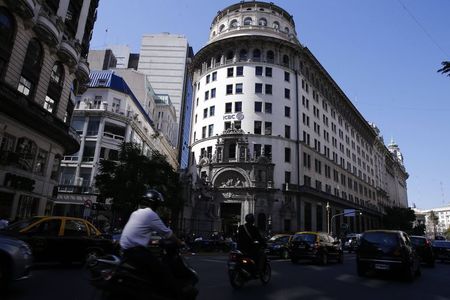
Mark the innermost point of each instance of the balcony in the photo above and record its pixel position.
(47, 29)
(114, 136)
(75, 189)
(25, 8)
(67, 52)
(35, 117)
(83, 70)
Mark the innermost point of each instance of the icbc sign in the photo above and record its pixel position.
(237, 116)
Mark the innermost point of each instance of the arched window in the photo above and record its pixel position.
(234, 24)
(256, 55)
(270, 56)
(221, 28)
(213, 33)
(230, 55)
(285, 60)
(218, 59)
(54, 88)
(31, 68)
(262, 22)
(243, 55)
(286, 29)
(276, 25)
(26, 152)
(7, 33)
(248, 21)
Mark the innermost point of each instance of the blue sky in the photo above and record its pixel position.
(383, 54)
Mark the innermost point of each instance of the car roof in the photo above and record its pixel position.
(418, 236)
(308, 232)
(383, 230)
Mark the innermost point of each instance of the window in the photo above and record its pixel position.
(268, 151)
(258, 71)
(238, 106)
(262, 22)
(257, 127)
(268, 72)
(75, 228)
(229, 89)
(7, 32)
(230, 72)
(287, 177)
(238, 88)
(31, 68)
(287, 93)
(208, 77)
(211, 130)
(203, 132)
(234, 23)
(41, 162)
(268, 108)
(206, 95)
(276, 25)
(213, 93)
(248, 21)
(258, 88)
(228, 107)
(221, 28)
(49, 104)
(205, 113)
(268, 128)
(287, 155)
(270, 56)
(243, 55)
(287, 111)
(256, 55)
(287, 76)
(240, 71)
(258, 106)
(287, 131)
(285, 60)
(268, 89)
(195, 119)
(212, 110)
(227, 125)
(214, 76)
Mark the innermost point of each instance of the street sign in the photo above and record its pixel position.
(349, 212)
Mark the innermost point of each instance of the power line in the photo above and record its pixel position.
(424, 30)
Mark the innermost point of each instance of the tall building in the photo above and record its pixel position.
(101, 59)
(105, 116)
(43, 51)
(273, 134)
(440, 225)
(164, 58)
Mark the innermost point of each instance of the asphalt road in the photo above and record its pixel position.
(289, 281)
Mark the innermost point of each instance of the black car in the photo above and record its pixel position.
(316, 246)
(424, 249)
(441, 249)
(387, 251)
(278, 245)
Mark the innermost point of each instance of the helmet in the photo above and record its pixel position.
(250, 218)
(152, 197)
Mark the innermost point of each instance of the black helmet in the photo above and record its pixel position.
(250, 218)
(152, 197)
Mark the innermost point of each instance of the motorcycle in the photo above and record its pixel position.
(118, 278)
(242, 268)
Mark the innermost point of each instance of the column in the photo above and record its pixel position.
(80, 153)
(98, 145)
(82, 20)
(62, 9)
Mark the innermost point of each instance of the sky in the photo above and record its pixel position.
(384, 54)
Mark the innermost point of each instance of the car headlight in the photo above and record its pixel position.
(26, 250)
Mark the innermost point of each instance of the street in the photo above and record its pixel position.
(289, 281)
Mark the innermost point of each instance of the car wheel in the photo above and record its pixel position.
(266, 274)
(284, 254)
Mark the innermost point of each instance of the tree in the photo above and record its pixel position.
(125, 181)
(399, 218)
(445, 68)
(419, 229)
(434, 220)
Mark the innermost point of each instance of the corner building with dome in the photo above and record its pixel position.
(274, 135)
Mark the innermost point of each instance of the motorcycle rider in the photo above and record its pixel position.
(136, 237)
(247, 237)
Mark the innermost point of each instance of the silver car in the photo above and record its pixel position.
(15, 260)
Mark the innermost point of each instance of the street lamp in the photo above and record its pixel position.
(342, 214)
(328, 217)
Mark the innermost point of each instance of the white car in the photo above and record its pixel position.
(15, 260)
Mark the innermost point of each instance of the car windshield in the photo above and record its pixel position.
(387, 239)
(311, 238)
(19, 225)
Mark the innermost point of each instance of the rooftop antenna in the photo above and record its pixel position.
(106, 38)
(442, 193)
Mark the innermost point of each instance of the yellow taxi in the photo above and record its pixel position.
(64, 239)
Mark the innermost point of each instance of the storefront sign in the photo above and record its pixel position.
(237, 116)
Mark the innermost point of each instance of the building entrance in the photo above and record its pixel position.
(230, 214)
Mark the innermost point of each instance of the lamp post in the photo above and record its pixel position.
(328, 217)
(341, 214)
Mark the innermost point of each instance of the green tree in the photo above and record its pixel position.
(419, 229)
(445, 68)
(399, 218)
(434, 220)
(124, 182)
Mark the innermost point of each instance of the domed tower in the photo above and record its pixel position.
(269, 130)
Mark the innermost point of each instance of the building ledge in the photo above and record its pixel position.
(24, 8)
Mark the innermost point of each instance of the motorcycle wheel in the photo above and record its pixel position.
(267, 274)
(236, 279)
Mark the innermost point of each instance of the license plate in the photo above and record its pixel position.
(381, 267)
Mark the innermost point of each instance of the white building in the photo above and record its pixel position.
(443, 221)
(43, 52)
(273, 134)
(105, 116)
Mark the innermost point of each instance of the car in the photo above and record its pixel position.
(441, 249)
(15, 260)
(350, 242)
(387, 251)
(278, 245)
(424, 249)
(63, 239)
(316, 246)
